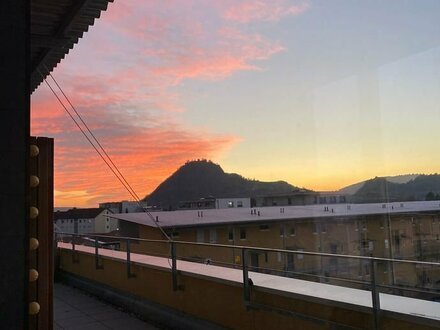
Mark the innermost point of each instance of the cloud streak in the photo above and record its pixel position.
(124, 78)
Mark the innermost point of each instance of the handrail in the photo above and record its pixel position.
(262, 249)
(246, 268)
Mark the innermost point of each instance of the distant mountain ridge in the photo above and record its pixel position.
(379, 190)
(203, 178)
(353, 188)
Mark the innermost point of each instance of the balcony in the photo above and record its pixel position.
(171, 289)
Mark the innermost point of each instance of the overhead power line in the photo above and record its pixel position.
(97, 146)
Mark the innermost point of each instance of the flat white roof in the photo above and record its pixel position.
(193, 218)
(305, 289)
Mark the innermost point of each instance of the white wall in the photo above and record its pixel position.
(68, 225)
(104, 224)
(101, 224)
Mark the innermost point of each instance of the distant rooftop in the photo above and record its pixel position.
(78, 213)
(191, 218)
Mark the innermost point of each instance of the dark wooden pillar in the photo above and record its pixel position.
(14, 155)
(41, 228)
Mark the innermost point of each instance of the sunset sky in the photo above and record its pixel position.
(321, 94)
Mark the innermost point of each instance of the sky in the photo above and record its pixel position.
(321, 94)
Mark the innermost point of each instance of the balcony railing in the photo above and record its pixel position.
(377, 275)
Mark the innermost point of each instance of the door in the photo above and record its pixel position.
(254, 260)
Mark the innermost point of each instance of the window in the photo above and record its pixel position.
(200, 235)
(230, 204)
(242, 233)
(292, 231)
(175, 234)
(315, 228)
(281, 230)
(239, 204)
(212, 236)
(264, 227)
(231, 234)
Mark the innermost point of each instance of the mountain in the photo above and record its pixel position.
(353, 188)
(202, 178)
(379, 190)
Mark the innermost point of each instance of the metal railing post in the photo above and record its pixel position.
(75, 260)
(374, 293)
(174, 266)
(97, 265)
(246, 291)
(129, 273)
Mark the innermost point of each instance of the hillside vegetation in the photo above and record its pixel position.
(203, 178)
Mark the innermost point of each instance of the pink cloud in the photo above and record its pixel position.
(256, 11)
(124, 77)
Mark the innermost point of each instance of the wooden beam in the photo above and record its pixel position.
(63, 27)
(47, 41)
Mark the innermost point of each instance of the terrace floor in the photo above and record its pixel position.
(73, 309)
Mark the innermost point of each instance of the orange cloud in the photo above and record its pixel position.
(123, 77)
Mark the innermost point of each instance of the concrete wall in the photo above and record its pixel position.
(83, 225)
(104, 224)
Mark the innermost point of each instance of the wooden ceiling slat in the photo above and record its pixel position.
(56, 26)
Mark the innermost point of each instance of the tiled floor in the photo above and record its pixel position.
(73, 309)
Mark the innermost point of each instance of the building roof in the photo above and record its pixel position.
(56, 26)
(193, 218)
(75, 213)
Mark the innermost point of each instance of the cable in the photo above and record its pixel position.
(91, 133)
(107, 161)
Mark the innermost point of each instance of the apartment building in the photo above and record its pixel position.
(124, 206)
(407, 230)
(84, 220)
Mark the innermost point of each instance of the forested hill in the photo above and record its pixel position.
(203, 178)
(377, 190)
